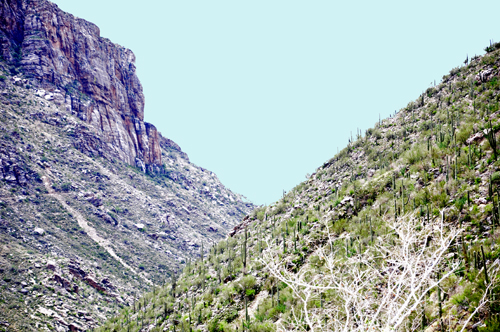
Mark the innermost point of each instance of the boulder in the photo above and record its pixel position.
(95, 201)
(484, 75)
(481, 200)
(51, 265)
(17, 81)
(347, 200)
(106, 282)
(477, 137)
(93, 283)
(65, 283)
(74, 327)
(75, 270)
(154, 236)
(40, 93)
(58, 99)
(39, 231)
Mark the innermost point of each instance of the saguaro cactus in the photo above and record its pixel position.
(201, 251)
(245, 252)
(294, 241)
(484, 266)
(466, 257)
(492, 140)
(371, 229)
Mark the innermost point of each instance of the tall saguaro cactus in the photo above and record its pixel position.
(245, 252)
(492, 140)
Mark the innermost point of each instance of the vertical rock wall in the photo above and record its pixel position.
(58, 51)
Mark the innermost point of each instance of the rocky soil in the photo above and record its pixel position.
(96, 206)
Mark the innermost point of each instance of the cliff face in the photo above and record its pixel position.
(94, 77)
(93, 230)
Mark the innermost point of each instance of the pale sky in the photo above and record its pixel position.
(264, 92)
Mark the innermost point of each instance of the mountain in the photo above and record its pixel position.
(398, 231)
(96, 206)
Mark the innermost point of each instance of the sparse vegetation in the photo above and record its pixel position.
(326, 260)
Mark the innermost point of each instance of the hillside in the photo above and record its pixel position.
(96, 206)
(399, 231)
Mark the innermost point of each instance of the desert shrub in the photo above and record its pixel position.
(65, 187)
(492, 47)
(261, 213)
(489, 59)
(430, 92)
(414, 155)
(454, 71)
(279, 209)
(248, 282)
(464, 133)
(262, 327)
(495, 177)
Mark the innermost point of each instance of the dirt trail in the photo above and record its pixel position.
(91, 232)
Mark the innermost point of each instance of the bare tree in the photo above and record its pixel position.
(381, 288)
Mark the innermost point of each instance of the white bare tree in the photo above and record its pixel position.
(381, 288)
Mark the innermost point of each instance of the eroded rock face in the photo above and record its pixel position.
(96, 78)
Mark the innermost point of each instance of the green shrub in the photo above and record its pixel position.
(65, 187)
(495, 177)
(415, 155)
(492, 47)
(464, 133)
(248, 282)
(492, 325)
(215, 326)
(489, 59)
(279, 209)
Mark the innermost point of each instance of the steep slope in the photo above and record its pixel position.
(96, 206)
(412, 204)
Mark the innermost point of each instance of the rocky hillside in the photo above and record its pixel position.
(96, 206)
(399, 231)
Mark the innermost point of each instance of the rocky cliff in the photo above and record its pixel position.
(96, 205)
(93, 77)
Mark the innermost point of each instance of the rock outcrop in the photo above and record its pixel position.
(13, 168)
(71, 125)
(95, 78)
